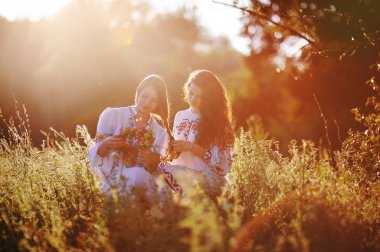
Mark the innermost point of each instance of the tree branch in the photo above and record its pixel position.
(259, 15)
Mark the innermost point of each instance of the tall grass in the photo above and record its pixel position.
(51, 201)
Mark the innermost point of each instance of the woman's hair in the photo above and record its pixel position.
(215, 125)
(162, 110)
(158, 83)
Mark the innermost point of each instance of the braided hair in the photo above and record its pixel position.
(161, 113)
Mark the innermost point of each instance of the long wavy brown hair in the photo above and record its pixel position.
(215, 124)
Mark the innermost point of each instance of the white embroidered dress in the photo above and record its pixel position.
(216, 162)
(110, 168)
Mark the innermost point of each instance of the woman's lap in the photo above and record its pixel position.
(187, 178)
(129, 179)
(137, 178)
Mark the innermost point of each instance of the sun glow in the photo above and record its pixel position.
(217, 19)
(31, 10)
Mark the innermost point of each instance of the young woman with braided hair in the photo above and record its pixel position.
(109, 154)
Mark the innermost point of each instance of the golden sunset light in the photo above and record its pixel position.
(32, 10)
(190, 125)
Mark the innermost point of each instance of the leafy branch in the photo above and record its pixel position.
(291, 30)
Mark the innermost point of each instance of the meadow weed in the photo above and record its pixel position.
(51, 200)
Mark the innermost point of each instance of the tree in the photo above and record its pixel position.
(334, 42)
(93, 54)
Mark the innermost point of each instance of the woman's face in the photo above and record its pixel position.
(147, 101)
(194, 97)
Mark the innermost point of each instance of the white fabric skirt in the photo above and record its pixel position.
(131, 180)
(187, 178)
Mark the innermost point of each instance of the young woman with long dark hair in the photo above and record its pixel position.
(203, 133)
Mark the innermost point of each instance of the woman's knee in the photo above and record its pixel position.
(137, 177)
(143, 178)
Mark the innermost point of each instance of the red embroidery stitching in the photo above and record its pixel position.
(181, 127)
(172, 182)
(101, 137)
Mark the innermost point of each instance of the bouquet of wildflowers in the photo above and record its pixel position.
(135, 139)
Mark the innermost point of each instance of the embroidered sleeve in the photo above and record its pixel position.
(219, 158)
(178, 125)
(181, 127)
(106, 126)
(101, 137)
(161, 144)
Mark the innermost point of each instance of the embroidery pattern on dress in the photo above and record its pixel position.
(172, 182)
(101, 137)
(132, 122)
(181, 127)
(207, 156)
(187, 125)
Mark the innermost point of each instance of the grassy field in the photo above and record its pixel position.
(305, 200)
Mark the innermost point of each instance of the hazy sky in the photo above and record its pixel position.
(219, 20)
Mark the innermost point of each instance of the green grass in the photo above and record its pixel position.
(51, 201)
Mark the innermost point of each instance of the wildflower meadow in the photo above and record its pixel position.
(303, 200)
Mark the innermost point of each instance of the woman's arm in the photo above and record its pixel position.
(182, 145)
(149, 157)
(110, 143)
(197, 150)
(219, 157)
(105, 128)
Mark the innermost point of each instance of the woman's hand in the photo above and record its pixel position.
(148, 158)
(110, 143)
(182, 145)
